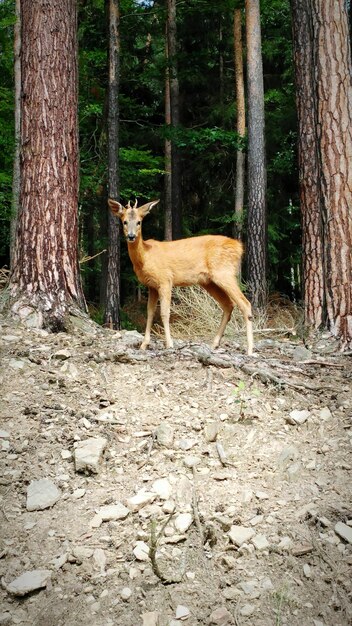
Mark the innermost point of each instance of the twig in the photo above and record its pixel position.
(84, 259)
(166, 580)
(322, 363)
(196, 512)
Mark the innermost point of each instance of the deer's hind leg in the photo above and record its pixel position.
(151, 307)
(227, 307)
(236, 297)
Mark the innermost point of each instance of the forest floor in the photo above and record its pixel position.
(217, 489)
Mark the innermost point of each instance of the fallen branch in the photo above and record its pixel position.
(153, 544)
(87, 258)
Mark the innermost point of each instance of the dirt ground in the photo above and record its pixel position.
(241, 467)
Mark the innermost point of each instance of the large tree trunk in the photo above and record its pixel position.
(168, 153)
(45, 282)
(334, 81)
(112, 299)
(241, 122)
(16, 159)
(309, 166)
(324, 104)
(257, 223)
(175, 120)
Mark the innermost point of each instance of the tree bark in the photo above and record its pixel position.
(334, 81)
(112, 299)
(241, 122)
(168, 154)
(45, 283)
(257, 223)
(324, 105)
(175, 120)
(311, 200)
(16, 159)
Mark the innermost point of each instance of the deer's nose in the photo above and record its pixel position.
(131, 237)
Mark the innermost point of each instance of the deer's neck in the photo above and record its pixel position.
(136, 251)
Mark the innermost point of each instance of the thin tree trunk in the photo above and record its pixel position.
(175, 120)
(309, 166)
(112, 301)
(16, 160)
(45, 282)
(168, 154)
(334, 72)
(241, 122)
(257, 224)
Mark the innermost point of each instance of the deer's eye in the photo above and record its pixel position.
(138, 223)
(125, 223)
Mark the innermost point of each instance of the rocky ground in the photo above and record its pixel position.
(173, 487)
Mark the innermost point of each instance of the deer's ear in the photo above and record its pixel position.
(146, 208)
(116, 207)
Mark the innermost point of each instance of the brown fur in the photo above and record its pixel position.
(211, 261)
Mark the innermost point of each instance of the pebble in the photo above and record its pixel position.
(325, 413)
(164, 435)
(191, 461)
(186, 444)
(150, 619)
(66, 454)
(41, 494)
(137, 502)
(99, 557)
(240, 534)
(113, 512)
(4, 434)
(307, 571)
(211, 430)
(183, 521)
(28, 582)
(88, 454)
(182, 612)
(141, 551)
(344, 531)
(220, 617)
(126, 593)
(247, 609)
(297, 418)
(62, 355)
(78, 493)
(260, 542)
(162, 488)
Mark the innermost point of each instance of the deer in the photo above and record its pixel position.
(211, 261)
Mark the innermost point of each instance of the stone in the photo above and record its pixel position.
(162, 488)
(141, 551)
(344, 531)
(28, 582)
(137, 502)
(240, 534)
(220, 617)
(211, 430)
(99, 557)
(42, 494)
(114, 512)
(288, 454)
(62, 355)
(150, 619)
(4, 434)
(191, 461)
(183, 521)
(126, 593)
(300, 353)
(66, 454)
(184, 491)
(186, 444)
(325, 413)
(307, 571)
(88, 454)
(78, 493)
(164, 435)
(247, 609)
(285, 543)
(246, 496)
(182, 612)
(260, 542)
(5, 618)
(82, 552)
(297, 418)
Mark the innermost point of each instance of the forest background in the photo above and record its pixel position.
(205, 138)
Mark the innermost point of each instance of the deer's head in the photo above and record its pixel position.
(131, 217)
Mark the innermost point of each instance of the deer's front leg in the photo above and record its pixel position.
(165, 301)
(152, 302)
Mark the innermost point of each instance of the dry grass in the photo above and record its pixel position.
(4, 277)
(194, 314)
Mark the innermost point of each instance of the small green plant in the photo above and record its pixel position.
(243, 394)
